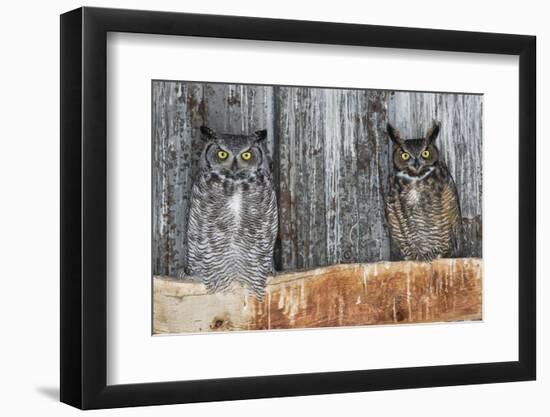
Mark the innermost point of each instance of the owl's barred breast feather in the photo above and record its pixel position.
(424, 215)
(231, 232)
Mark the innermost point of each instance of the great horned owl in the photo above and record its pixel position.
(232, 223)
(422, 208)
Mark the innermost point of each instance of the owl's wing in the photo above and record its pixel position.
(393, 210)
(451, 200)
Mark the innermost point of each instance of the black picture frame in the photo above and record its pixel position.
(84, 207)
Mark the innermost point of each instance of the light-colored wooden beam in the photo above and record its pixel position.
(340, 295)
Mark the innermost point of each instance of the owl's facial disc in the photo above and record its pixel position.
(233, 160)
(235, 156)
(414, 157)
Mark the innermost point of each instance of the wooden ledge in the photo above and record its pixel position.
(339, 295)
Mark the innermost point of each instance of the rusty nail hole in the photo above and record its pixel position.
(218, 323)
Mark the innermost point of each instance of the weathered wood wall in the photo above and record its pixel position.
(331, 158)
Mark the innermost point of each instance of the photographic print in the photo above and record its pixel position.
(287, 207)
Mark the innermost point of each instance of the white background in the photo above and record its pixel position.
(29, 217)
(133, 60)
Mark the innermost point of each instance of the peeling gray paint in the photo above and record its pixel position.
(331, 160)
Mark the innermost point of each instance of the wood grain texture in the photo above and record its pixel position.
(341, 295)
(331, 163)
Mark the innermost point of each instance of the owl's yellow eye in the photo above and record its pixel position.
(246, 156)
(222, 155)
(405, 156)
(425, 154)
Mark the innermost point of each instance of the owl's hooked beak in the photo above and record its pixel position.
(416, 164)
(234, 166)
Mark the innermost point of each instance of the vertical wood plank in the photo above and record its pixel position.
(376, 168)
(176, 144)
(301, 177)
(333, 170)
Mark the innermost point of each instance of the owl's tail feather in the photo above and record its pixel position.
(184, 275)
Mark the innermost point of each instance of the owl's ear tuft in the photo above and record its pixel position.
(207, 133)
(260, 135)
(432, 132)
(394, 135)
